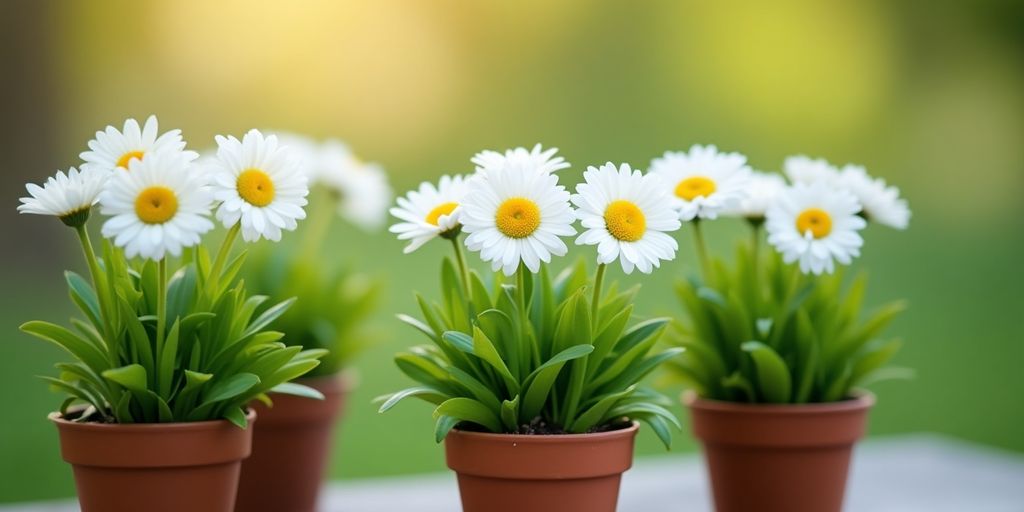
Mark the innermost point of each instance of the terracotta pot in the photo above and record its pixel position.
(155, 467)
(563, 473)
(778, 458)
(291, 444)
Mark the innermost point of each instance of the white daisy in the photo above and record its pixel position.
(816, 224)
(544, 160)
(365, 194)
(882, 204)
(259, 184)
(762, 191)
(626, 214)
(514, 214)
(160, 206)
(429, 212)
(113, 149)
(807, 170)
(704, 181)
(67, 196)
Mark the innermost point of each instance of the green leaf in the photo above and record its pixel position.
(510, 414)
(459, 340)
(132, 377)
(444, 425)
(772, 374)
(236, 416)
(606, 340)
(75, 345)
(596, 412)
(467, 409)
(231, 387)
(484, 349)
(168, 359)
(291, 388)
(84, 297)
(426, 393)
(272, 313)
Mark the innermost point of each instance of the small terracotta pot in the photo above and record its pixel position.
(778, 458)
(291, 444)
(155, 467)
(563, 473)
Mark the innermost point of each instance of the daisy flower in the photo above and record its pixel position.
(113, 149)
(515, 213)
(882, 204)
(365, 194)
(762, 191)
(816, 225)
(259, 185)
(429, 212)
(158, 207)
(68, 197)
(704, 181)
(626, 215)
(807, 170)
(544, 160)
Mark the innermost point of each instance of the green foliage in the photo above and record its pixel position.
(510, 358)
(334, 301)
(762, 332)
(153, 349)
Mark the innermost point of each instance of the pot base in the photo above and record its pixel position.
(778, 458)
(158, 467)
(291, 444)
(540, 473)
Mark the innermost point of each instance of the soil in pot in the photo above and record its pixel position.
(540, 473)
(778, 458)
(155, 467)
(291, 445)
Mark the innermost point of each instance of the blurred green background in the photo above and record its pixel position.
(929, 95)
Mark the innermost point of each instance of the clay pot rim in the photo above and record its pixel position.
(860, 399)
(178, 426)
(551, 438)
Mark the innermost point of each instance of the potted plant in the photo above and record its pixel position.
(292, 440)
(535, 380)
(168, 351)
(777, 350)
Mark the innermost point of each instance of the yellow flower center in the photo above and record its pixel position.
(439, 210)
(694, 187)
(156, 205)
(256, 187)
(518, 217)
(127, 157)
(625, 221)
(815, 220)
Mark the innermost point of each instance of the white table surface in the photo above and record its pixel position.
(899, 474)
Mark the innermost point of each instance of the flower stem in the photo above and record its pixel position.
(460, 260)
(102, 293)
(755, 262)
(702, 250)
(595, 304)
(161, 305)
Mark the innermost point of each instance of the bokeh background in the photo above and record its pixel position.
(929, 95)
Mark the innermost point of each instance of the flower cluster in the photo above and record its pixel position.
(159, 199)
(515, 212)
(185, 343)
